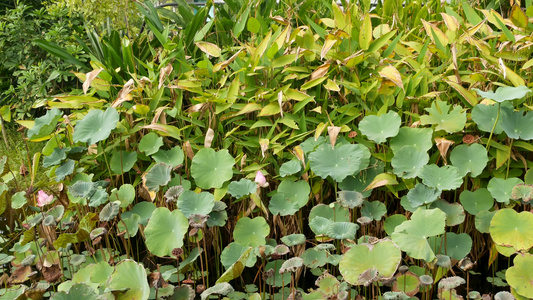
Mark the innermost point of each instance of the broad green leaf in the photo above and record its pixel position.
(477, 201)
(209, 48)
(96, 126)
(520, 275)
(130, 279)
(289, 168)
(295, 192)
(420, 138)
(379, 128)
(483, 219)
(422, 195)
(122, 161)
(502, 189)
(55, 157)
(251, 232)
(455, 214)
(159, 175)
(448, 120)
(339, 161)
(522, 192)
(18, 200)
(279, 204)
(456, 246)
(408, 161)
(485, 116)
(516, 124)
(190, 203)
(253, 25)
(443, 178)
(350, 199)
(79, 291)
(392, 222)
(342, 230)
(510, 228)
(45, 125)
(231, 254)
(505, 93)
(165, 231)
(211, 169)
(173, 157)
(469, 159)
(241, 188)
(373, 210)
(64, 170)
(150, 143)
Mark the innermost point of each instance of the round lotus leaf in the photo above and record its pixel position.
(280, 204)
(374, 210)
(443, 178)
(183, 292)
(443, 261)
(313, 258)
(251, 232)
(99, 197)
(289, 168)
(334, 212)
(291, 265)
(522, 192)
(173, 157)
(328, 285)
(296, 192)
(384, 256)
(342, 230)
(129, 225)
(77, 259)
(379, 128)
(422, 194)
(211, 169)
(483, 219)
(502, 295)
(517, 125)
(122, 161)
(125, 194)
(395, 296)
(28, 260)
(55, 158)
(159, 175)
(96, 126)
(109, 211)
(45, 125)
(426, 280)
(446, 118)
(320, 225)
(129, 277)
(18, 200)
(505, 93)
(404, 201)
(509, 228)
(217, 218)
(144, 209)
(173, 193)
(451, 282)
(294, 239)
(350, 199)
(408, 161)
(150, 143)
(392, 221)
(190, 203)
(520, 275)
(82, 189)
(64, 170)
(233, 252)
(98, 231)
(310, 144)
(455, 213)
(477, 201)
(281, 250)
(420, 138)
(329, 246)
(165, 231)
(339, 161)
(407, 283)
(34, 220)
(485, 116)
(274, 278)
(49, 220)
(241, 188)
(456, 246)
(77, 291)
(222, 288)
(474, 295)
(469, 159)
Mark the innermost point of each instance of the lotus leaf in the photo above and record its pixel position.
(408, 161)
(520, 275)
(451, 282)
(339, 161)
(158, 175)
(486, 115)
(311, 144)
(407, 283)
(421, 194)
(49, 221)
(374, 210)
(291, 265)
(523, 192)
(125, 194)
(150, 143)
(96, 126)
(79, 291)
(190, 203)
(55, 157)
(385, 256)
(502, 189)
(281, 205)
(313, 258)
(350, 199)
(395, 296)
(109, 211)
(173, 157)
(129, 278)
(455, 213)
(277, 279)
(251, 232)
(217, 218)
(165, 231)
(122, 161)
(477, 201)
(289, 168)
(130, 225)
(296, 192)
(320, 225)
(99, 197)
(469, 159)
(222, 288)
(82, 189)
(328, 285)
(448, 120)
(231, 254)
(509, 228)
(412, 235)
(393, 221)
(456, 246)
(45, 125)
(342, 230)
(281, 250)
(334, 212)
(420, 138)
(64, 170)
(379, 128)
(211, 169)
(18, 200)
(443, 178)
(293, 239)
(505, 93)
(483, 219)
(236, 269)
(502, 295)
(241, 188)
(143, 209)
(77, 259)
(516, 124)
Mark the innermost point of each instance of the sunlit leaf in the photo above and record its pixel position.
(379, 128)
(96, 126)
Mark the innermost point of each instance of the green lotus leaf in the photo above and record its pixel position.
(165, 231)
(18, 200)
(130, 225)
(289, 168)
(311, 144)
(122, 161)
(328, 285)
(469, 159)
(173, 157)
(191, 258)
(99, 197)
(129, 278)
(241, 188)
(337, 213)
(451, 121)
(251, 232)
(412, 235)
(49, 221)
(158, 175)
(421, 194)
(313, 258)
(190, 203)
(477, 201)
(483, 219)
(509, 228)
(222, 288)
(211, 169)
(82, 189)
(291, 265)
(455, 214)
(77, 259)
(395, 296)
(96, 126)
(456, 246)
(280, 204)
(64, 170)
(516, 124)
(407, 283)
(350, 199)
(217, 218)
(342, 230)
(485, 116)
(76, 153)
(502, 189)
(45, 125)
(320, 225)
(297, 192)
(443, 178)
(277, 280)
(98, 231)
(231, 254)
(520, 275)
(502, 295)
(339, 161)
(293, 239)
(183, 292)
(144, 209)
(379, 128)
(392, 221)
(362, 179)
(150, 143)
(125, 194)
(79, 291)
(384, 256)
(55, 157)
(505, 93)
(420, 138)
(236, 269)
(522, 192)
(374, 210)
(281, 250)
(408, 161)
(109, 211)
(450, 283)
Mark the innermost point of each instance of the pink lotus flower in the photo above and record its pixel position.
(43, 198)
(260, 179)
